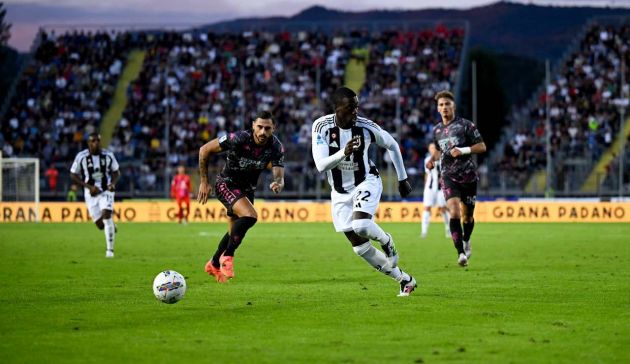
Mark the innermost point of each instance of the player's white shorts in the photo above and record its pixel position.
(432, 198)
(365, 198)
(96, 204)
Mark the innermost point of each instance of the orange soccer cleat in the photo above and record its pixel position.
(216, 272)
(227, 266)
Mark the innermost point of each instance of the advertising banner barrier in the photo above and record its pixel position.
(166, 211)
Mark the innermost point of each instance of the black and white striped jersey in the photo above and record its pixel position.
(345, 173)
(432, 180)
(95, 169)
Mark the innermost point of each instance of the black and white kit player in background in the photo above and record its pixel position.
(340, 144)
(97, 171)
(456, 139)
(433, 195)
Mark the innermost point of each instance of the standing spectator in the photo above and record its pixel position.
(72, 193)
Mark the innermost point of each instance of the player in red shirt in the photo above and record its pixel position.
(180, 191)
(52, 173)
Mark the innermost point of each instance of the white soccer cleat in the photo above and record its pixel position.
(462, 260)
(447, 233)
(109, 253)
(468, 249)
(423, 236)
(406, 287)
(390, 251)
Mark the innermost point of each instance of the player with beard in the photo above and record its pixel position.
(249, 152)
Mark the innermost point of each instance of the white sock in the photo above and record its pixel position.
(403, 276)
(447, 225)
(368, 229)
(110, 233)
(426, 218)
(377, 259)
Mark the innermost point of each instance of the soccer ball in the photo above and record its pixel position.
(169, 286)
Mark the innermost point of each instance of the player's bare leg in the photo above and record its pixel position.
(469, 225)
(246, 218)
(447, 228)
(213, 266)
(110, 232)
(454, 209)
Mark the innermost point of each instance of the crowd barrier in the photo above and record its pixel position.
(164, 211)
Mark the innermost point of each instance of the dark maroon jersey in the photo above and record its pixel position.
(458, 133)
(246, 159)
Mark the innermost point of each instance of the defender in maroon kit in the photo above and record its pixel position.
(456, 139)
(249, 152)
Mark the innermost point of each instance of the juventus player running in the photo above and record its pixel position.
(97, 171)
(456, 139)
(340, 146)
(248, 153)
(433, 195)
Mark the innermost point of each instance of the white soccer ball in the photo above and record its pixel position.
(169, 286)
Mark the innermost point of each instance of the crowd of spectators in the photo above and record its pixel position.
(206, 84)
(583, 113)
(63, 94)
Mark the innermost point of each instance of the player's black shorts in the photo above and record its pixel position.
(229, 193)
(467, 192)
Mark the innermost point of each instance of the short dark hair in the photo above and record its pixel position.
(94, 135)
(265, 115)
(340, 94)
(444, 94)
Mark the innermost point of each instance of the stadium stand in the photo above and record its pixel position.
(62, 95)
(206, 84)
(583, 115)
(410, 67)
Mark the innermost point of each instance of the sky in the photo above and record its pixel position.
(29, 15)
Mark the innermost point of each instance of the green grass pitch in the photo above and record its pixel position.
(533, 293)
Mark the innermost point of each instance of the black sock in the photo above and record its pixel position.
(239, 229)
(468, 229)
(456, 234)
(220, 249)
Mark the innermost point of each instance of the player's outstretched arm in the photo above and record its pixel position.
(389, 143)
(205, 189)
(278, 179)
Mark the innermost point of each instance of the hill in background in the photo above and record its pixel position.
(527, 30)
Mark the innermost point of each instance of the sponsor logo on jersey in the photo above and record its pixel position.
(246, 163)
(320, 140)
(448, 143)
(348, 166)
